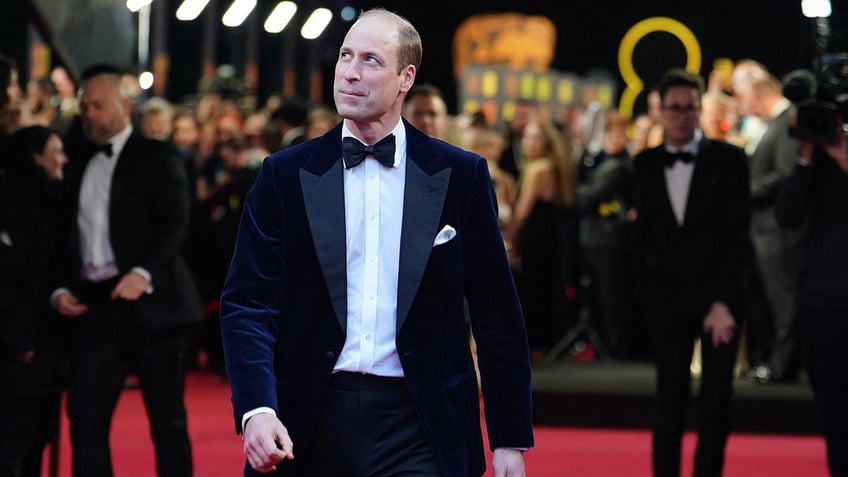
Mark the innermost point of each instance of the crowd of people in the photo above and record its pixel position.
(587, 229)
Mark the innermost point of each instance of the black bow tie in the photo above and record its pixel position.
(354, 151)
(672, 157)
(105, 148)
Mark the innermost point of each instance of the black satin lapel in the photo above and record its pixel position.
(423, 201)
(699, 190)
(323, 196)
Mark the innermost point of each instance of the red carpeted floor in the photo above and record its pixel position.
(559, 452)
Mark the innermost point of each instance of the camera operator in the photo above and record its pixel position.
(815, 197)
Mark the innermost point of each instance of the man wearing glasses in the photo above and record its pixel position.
(693, 210)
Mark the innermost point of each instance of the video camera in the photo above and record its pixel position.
(821, 99)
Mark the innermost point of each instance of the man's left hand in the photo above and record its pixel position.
(130, 287)
(508, 463)
(720, 324)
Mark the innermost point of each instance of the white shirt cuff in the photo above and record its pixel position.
(148, 276)
(55, 295)
(258, 410)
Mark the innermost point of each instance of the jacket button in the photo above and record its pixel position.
(330, 355)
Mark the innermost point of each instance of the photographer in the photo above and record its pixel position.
(816, 197)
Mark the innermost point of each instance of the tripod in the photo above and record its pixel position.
(582, 327)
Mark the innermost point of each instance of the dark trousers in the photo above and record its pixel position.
(673, 339)
(369, 429)
(610, 296)
(28, 425)
(824, 333)
(777, 258)
(111, 345)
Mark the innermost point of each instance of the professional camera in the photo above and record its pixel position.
(821, 99)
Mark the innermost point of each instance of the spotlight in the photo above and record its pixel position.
(316, 23)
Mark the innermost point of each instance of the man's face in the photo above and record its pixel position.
(429, 114)
(103, 110)
(10, 115)
(367, 86)
(186, 133)
(156, 125)
(681, 107)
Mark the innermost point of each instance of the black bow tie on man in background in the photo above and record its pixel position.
(354, 151)
(672, 157)
(105, 148)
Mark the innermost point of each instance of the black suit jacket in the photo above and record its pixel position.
(31, 235)
(148, 221)
(283, 309)
(687, 267)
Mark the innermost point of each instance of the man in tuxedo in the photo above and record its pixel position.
(342, 314)
(128, 289)
(692, 232)
(424, 107)
(777, 250)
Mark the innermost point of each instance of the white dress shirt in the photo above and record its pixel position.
(373, 216)
(98, 258)
(679, 176)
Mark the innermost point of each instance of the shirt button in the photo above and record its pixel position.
(368, 337)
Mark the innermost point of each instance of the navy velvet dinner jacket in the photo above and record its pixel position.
(283, 307)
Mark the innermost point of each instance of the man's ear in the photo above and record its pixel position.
(407, 78)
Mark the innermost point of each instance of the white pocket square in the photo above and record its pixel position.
(5, 238)
(444, 235)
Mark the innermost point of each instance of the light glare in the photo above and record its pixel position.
(816, 8)
(136, 5)
(238, 12)
(280, 17)
(191, 9)
(145, 80)
(316, 23)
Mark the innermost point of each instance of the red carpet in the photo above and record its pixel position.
(559, 452)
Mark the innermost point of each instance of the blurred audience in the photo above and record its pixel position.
(511, 159)
(604, 201)
(10, 101)
(40, 105)
(542, 234)
(288, 123)
(34, 340)
(319, 120)
(66, 91)
(717, 120)
(424, 107)
(776, 250)
(488, 143)
(156, 119)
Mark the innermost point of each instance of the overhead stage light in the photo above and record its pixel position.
(191, 9)
(316, 23)
(238, 12)
(280, 17)
(816, 8)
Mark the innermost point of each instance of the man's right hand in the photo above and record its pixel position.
(266, 442)
(67, 305)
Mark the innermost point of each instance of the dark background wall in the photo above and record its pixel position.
(588, 36)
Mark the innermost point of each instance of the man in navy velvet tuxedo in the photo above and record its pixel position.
(342, 314)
